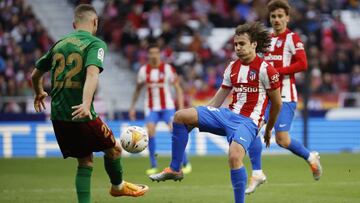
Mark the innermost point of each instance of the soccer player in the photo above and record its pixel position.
(253, 81)
(158, 77)
(288, 56)
(75, 62)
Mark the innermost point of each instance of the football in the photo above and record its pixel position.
(134, 139)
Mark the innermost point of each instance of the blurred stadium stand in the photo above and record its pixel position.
(195, 37)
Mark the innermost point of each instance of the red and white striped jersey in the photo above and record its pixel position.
(288, 56)
(158, 83)
(249, 84)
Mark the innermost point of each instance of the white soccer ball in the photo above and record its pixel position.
(134, 139)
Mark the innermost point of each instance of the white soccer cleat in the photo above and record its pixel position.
(315, 165)
(255, 181)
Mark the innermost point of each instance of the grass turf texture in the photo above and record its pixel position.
(289, 180)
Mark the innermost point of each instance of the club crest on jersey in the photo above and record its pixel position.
(279, 43)
(252, 75)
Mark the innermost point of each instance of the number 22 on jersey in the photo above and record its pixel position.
(65, 79)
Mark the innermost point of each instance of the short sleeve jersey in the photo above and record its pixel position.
(250, 83)
(158, 83)
(67, 61)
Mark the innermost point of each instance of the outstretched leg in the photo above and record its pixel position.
(182, 119)
(113, 168)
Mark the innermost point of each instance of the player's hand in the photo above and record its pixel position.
(39, 101)
(267, 137)
(81, 111)
(132, 114)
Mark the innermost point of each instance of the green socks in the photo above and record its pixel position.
(114, 170)
(83, 178)
(82, 182)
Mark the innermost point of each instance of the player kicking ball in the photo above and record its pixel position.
(252, 81)
(288, 56)
(75, 62)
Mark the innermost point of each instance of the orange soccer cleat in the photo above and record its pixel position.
(129, 189)
(315, 165)
(167, 174)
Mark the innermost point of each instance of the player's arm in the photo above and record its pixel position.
(179, 94)
(137, 91)
(275, 98)
(219, 97)
(42, 65)
(91, 81)
(40, 94)
(299, 55)
(299, 66)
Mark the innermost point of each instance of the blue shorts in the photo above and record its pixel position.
(166, 115)
(223, 122)
(285, 118)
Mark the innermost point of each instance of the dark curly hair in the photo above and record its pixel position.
(257, 33)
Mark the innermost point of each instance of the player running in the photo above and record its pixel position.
(75, 62)
(288, 56)
(253, 81)
(158, 77)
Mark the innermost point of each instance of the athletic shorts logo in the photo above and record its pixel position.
(211, 108)
(243, 139)
(282, 125)
(100, 54)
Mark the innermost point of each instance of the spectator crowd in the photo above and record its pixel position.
(186, 26)
(334, 58)
(22, 41)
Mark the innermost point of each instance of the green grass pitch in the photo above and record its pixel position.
(51, 180)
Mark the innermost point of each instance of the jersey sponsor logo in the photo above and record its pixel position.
(100, 54)
(245, 89)
(279, 43)
(275, 78)
(299, 46)
(252, 75)
(274, 57)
